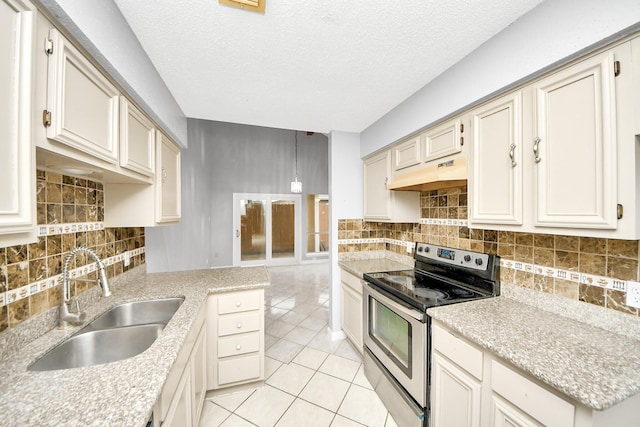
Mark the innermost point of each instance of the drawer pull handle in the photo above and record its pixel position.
(238, 304)
(239, 325)
(238, 347)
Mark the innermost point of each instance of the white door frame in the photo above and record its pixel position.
(269, 198)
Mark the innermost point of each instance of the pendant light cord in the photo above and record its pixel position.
(296, 136)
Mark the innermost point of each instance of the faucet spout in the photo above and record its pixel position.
(66, 316)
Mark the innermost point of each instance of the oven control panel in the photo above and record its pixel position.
(458, 257)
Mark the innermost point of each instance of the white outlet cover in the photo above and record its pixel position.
(127, 258)
(633, 294)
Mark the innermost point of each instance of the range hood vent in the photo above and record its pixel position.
(451, 173)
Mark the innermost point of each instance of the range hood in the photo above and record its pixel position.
(447, 174)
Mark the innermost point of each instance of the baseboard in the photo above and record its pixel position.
(336, 335)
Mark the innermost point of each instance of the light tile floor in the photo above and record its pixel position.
(310, 380)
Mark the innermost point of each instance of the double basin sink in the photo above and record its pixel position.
(121, 332)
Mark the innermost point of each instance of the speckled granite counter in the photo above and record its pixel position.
(359, 267)
(593, 366)
(121, 393)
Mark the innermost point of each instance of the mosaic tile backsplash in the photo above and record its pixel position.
(592, 270)
(70, 213)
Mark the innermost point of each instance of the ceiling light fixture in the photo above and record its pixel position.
(250, 5)
(296, 186)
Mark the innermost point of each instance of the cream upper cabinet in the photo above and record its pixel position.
(381, 204)
(574, 148)
(168, 208)
(496, 169)
(137, 139)
(82, 102)
(406, 154)
(17, 165)
(148, 205)
(442, 140)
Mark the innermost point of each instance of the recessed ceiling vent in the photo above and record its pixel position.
(252, 5)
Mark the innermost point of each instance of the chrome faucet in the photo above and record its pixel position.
(66, 316)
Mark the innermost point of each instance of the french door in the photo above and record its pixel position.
(266, 229)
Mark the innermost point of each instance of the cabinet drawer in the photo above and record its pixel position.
(456, 349)
(239, 323)
(352, 281)
(534, 400)
(239, 344)
(238, 301)
(239, 369)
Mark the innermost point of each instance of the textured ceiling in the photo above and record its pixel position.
(309, 65)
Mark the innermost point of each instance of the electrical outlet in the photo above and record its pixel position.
(409, 247)
(633, 294)
(127, 258)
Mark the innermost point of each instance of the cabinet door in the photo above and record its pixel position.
(82, 102)
(377, 199)
(406, 154)
(168, 203)
(352, 315)
(137, 139)
(505, 414)
(199, 374)
(442, 140)
(17, 162)
(495, 185)
(180, 413)
(575, 146)
(455, 395)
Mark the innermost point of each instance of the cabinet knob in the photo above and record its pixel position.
(238, 304)
(239, 325)
(238, 347)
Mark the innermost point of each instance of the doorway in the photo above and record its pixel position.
(266, 229)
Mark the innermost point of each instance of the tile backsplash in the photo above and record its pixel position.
(592, 270)
(70, 213)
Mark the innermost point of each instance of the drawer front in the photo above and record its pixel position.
(238, 323)
(239, 344)
(460, 352)
(239, 301)
(238, 369)
(534, 400)
(352, 281)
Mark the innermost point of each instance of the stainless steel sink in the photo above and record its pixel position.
(98, 347)
(136, 313)
(121, 332)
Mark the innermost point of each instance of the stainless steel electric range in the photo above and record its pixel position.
(397, 330)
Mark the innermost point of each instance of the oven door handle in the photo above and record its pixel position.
(418, 315)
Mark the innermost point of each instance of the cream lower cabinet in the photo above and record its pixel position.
(381, 204)
(351, 309)
(182, 396)
(235, 328)
(17, 162)
(473, 387)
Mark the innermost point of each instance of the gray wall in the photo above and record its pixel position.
(222, 159)
(552, 32)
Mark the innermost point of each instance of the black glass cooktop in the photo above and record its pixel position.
(421, 291)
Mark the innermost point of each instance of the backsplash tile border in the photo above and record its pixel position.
(34, 288)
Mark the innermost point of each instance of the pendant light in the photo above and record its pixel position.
(296, 186)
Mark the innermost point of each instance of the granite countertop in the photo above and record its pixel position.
(593, 366)
(359, 267)
(121, 393)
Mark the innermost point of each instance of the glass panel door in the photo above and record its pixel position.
(266, 228)
(253, 238)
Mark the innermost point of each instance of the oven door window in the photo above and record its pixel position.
(392, 333)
